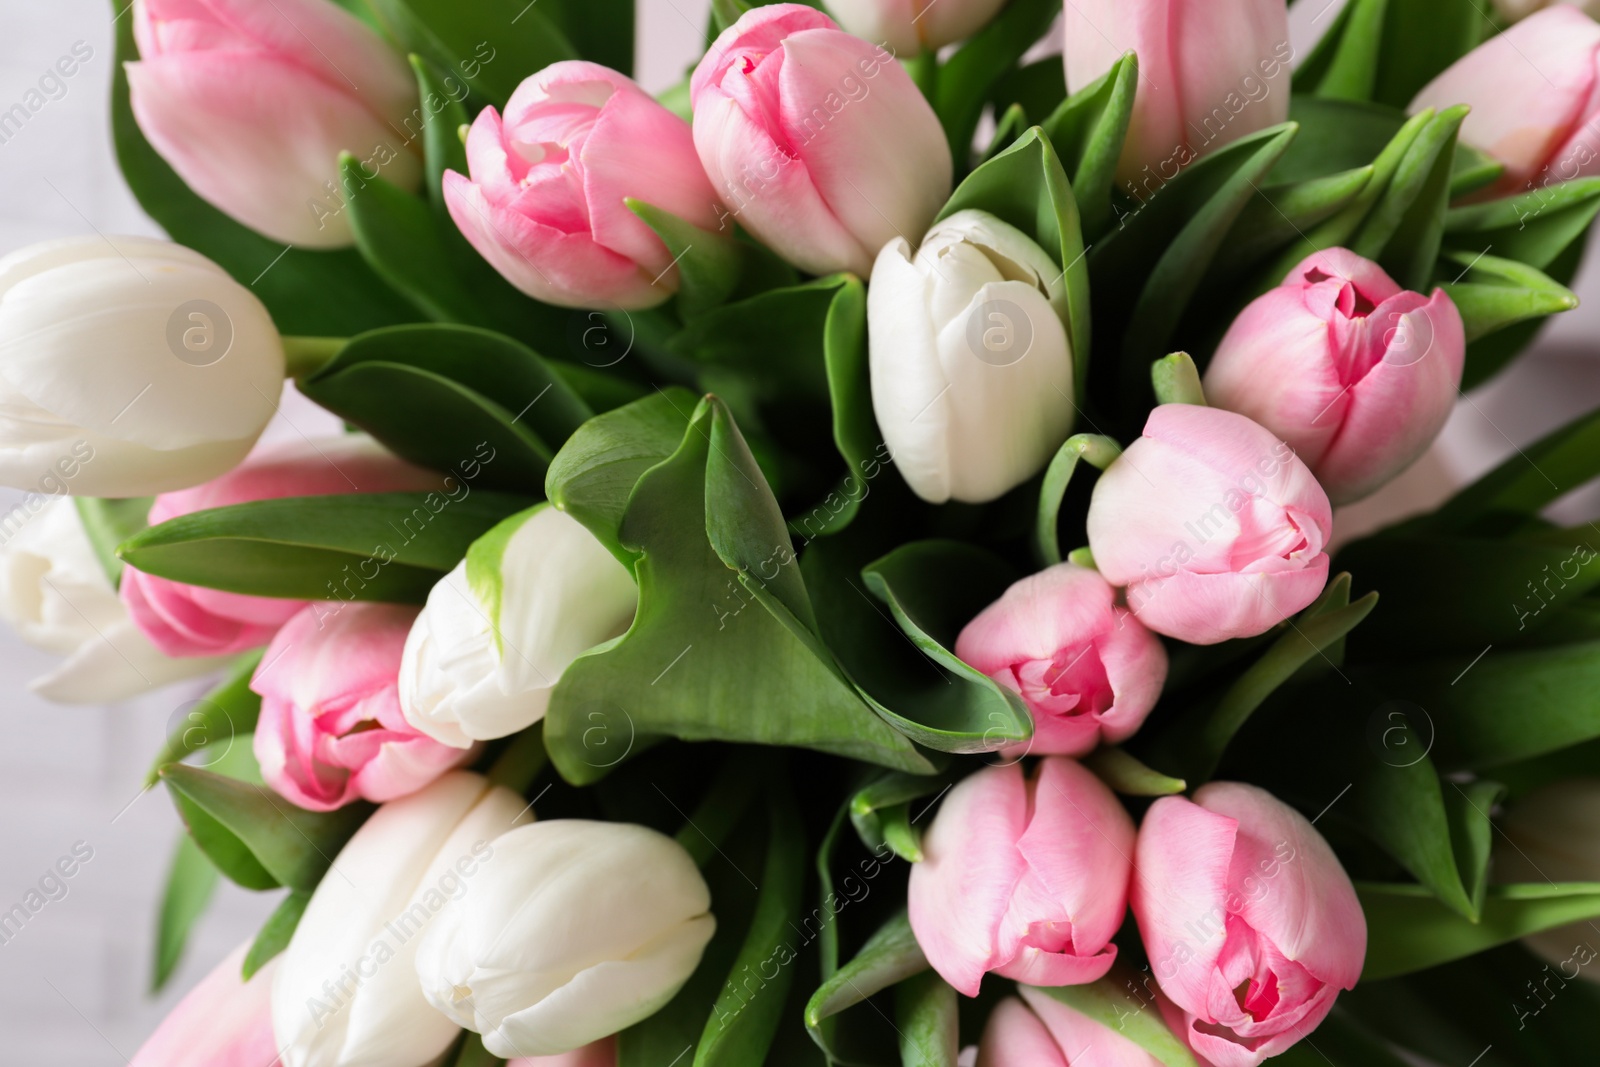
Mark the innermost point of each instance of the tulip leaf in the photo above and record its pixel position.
(1119, 1003)
(722, 646)
(1099, 452)
(191, 883)
(1335, 136)
(1407, 930)
(1525, 483)
(889, 956)
(275, 933)
(1532, 228)
(309, 293)
(444, 115)
(108, 523)
(455, 398)
(1342, 1042)
(251, 830)
(1406, 225)
(1038, 88)
(1088, 131)
(713, 267)
(1348, 70)
(1127, 775)
(220, 718)
(1420, 39)
(1502, 292)
(364, 546)
(1277, 214)
(926, 1018)
(966, 78)
(1013, 123)
(773, 341)
(885, 793)
(490, 46)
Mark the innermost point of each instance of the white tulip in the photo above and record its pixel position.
(56, 594)
(909, 29)
(346, 994)
(578, 930)
(971, 366)
(138, 353)
(1553, 835)
(532, 595)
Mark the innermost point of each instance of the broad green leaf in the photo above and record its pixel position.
(491, 45)
(1013, 123)
(772, 341)
(1502, 292)
(191, 883)
(108, 523)
(708, 264)
(1471, 833)
(1098, 451)
(886, 792)
(364, 546)
(441, 96)
(1532, 228)
(890, 956)
(275, 933)
(601, 30)
(1420, 39)
(1128, 776)
(1406, 225)
(1277, 214)
(1038, 88)
(1135, 1017)
(220, 718)
(925, 1016)
(1471, 171)
(1351, 71)
(967, 77)
(1088, 131)
(1525, 483)
(1342, 1042)
(1335, 136)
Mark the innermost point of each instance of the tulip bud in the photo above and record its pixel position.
(1553, 835)
(546, 201)
(190, 620)
(331, 730)
(1251, 925)
(971, 366)
(1214, 526)
(532, 595)
(252, 104)
(601, 1053)
(136, 364)
(223, 1022)
(346, 993)
(1356, 374)
(1087, 669)
(818, 142)
(912, 27)
(1515, 10)
(1209, 73)
(579, 930)
(55, 592)
(1025, 877)
(1532, 115)
(1040, 1031)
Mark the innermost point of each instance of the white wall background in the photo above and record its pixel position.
(73, 982)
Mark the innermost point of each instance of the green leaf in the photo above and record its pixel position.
(364, 546)
(1088, 131)
(1503, 292)
(1335, 136)
(221, 717)
(191, 883)
(1352, 64)
(601, 30)
(1342, 1042)
(887, 792)
(1420, 39)
(1013, 123)
(1106, 1003)
(925, 1016)
(1533, 228)
(1406, 225)
(1471, 171)
(1099, 451)
(274, 935)
(454, 398)
(773, 341)
(1277, 214)
(1407, 930)
(441, 98)
(490, 45)
(890, 956)
(108, 523)
(966, 78)
(1471, 833)
(709, 265)
(1527, 482)
(1128, 776)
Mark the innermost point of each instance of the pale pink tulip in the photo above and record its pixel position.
(1043, 1032)
(1356, 374)
(331, 730)
(1087, 669)
(190, 620)
(223, 1022)
(817, 141)
(1251, 925)
(1025, 877)
(545, 204)
(911, 27)
(1214, 526)
(251, 103)
(1209, 73)
(1535, 97)
(602, 1053)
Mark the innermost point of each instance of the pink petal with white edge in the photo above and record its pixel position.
(1204, 609)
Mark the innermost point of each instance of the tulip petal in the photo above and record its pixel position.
(1086, 1042)
(1015, 1037)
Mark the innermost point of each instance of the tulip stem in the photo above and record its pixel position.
(304, 356)
(924, 70)
(1176, 380)
(520, 762)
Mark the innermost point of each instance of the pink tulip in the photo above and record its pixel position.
(1040, 1031)
(1026, 877)
(251, 103)
(190, 620)
(546, 201)
(817, 142)
(1209, 73)
(1356, 374)
(1251, 925)
(1213, 524)
(1088, 670)
(602, 1053)
(910, 27)
(223, 1022)
(1535, 95)
(331, 729)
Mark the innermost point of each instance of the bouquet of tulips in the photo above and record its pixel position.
(834, 563)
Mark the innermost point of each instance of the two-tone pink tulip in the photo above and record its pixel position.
(222, 1022)
(1040, 1031)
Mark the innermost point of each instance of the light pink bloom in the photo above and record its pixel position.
(190, 620)
(331, 730)
(602, 1053)
(251, 103)
(223, 1022)
(1043, 1032)
(1251, 924)
(1356, 374)
(911, 27)
(545, 203)
(1535, 96)
(1026, 877)
(1214, 525)
(1209, 73)
(817, 141)
(1088, 670)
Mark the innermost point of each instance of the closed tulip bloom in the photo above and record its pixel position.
(911, 27)
(1356, 374)
(970, 363)
(346, 993)
(579, 930)
(1251, 925)
(191, 620)
(1040, 1031)
(222, 1022)
(601, 1053)
(1209, 73)
(1534, 92)
(137, 361)
(1025, 877)
(1513, 10)
(817, 141)
(545, 203)
(1087, 669)
(1214, 525)
(531, 596)
(1552, 834)
(252, 103)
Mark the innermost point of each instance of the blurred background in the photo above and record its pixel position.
(74, 981)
